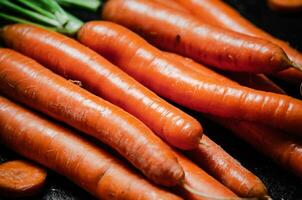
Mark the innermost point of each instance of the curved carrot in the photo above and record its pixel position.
(149, 66)
(218, 13)
(107, 81)
(28, 82)
(182, 33)
(70, 155)
(20, 178)
(285, 5)
(256, 81)
(200, 181)
(284, 150)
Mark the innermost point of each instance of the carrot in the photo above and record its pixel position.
(214, 160)
(200, 181)
(171, 4)
(169, 122)
(20, 178)
(182, 33)
(275, 144)
(149, 66)
(256, 81)
(285, 5)
(218, 13)
(70, 155)
(26, 81)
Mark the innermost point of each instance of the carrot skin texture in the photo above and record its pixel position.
(255, 81)
(218, 13)
(68, 154)
(196, 178)
(167, 78)
(182, 33)
(26, 81)
(104, 79)
(284, 150)
(20, 178)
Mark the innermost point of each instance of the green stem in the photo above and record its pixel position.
(55, 8)
(22, 21)
(92, 5)
(28, 13)
(37, 7)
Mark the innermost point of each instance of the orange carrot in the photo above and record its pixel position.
(281, 148)
(214, 160)
(256, 81)
(182, 33)
(218, 13)
(70, 155)
(285, 5)
(200, 181)
(28, 82)
(107, 81)
(20, 178)
(149, 66)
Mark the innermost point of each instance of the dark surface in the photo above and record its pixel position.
(282, 185)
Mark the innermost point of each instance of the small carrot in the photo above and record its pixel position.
(26, 81)
(104, 79)
(182, 33)
(278, 145)
(285, 5)
(167, 78)
(218, 13)
(20, 178)
(67, 153)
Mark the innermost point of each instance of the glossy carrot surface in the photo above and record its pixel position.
(182, 33)
(180, 84)
(102, 78)
(218, 13)
(26, 81)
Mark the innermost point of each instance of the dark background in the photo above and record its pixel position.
(282, 185)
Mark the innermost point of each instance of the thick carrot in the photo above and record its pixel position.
(200, 181)
(285, 5)
(172, 4)
(20, 178)
(107, 81)
(26, 81)
(218, 13)
(284, 150)
(182, 33)
(256, 81)
(182, 85)
(70, 155)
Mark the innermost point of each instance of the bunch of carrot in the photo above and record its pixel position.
(119, 99)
